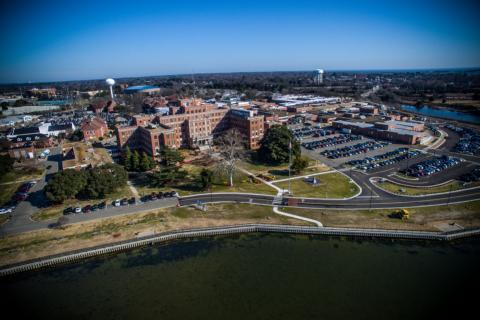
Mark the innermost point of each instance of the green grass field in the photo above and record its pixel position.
(332, 185)
(7, 191)
(411, 191)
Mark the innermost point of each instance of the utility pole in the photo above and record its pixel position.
(371, 198)
(289, 166)
(449, 195)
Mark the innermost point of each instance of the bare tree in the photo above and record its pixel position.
(135, 101)
(232, 148)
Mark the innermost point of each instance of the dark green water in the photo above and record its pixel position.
(257, 277)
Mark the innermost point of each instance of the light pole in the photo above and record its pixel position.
(449, 195)
(371, 199)
(289, 166)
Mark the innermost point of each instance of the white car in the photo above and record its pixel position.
(5, 210)
(78, 210)
(117, 203)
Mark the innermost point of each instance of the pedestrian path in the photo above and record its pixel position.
(294, 216)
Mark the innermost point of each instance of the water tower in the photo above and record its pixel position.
(110, 83)
(319, 77)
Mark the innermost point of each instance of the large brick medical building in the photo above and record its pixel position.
(190, 124)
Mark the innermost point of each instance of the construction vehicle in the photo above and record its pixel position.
(403, 214)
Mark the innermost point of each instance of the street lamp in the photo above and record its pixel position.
(289, 166)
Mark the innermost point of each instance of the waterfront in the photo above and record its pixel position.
(257, 276)
(443, 113)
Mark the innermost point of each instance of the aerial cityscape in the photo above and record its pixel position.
(250, 160)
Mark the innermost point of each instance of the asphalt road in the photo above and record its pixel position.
(36, 198)
(371, 196)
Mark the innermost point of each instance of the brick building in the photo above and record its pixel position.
(94, 128)
(191, 124)
(408, 132)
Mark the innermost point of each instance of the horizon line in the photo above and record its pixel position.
(239, 72)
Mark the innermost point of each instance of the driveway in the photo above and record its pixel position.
(36, 197)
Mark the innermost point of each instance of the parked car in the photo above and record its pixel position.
(117, 203)
(87, 209)
(68, 210)
(124, 202)
(78, 210)
(102, 205)
(5, 210)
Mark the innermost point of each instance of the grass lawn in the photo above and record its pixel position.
(30, 245)
(23, 174)
(426, 218)
(7, 191)
(56, 211)
(220, 184)
(332, 185)
(412, 191)
(281, 171)
(242, 184)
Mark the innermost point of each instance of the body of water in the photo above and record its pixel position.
(257, 276)
(443, 113)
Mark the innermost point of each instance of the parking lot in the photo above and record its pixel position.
(386, 159)
(360, 153)
(431, 166)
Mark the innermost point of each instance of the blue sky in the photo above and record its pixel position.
(69, 40)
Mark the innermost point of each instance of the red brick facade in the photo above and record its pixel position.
(190, 125)
(94, 128)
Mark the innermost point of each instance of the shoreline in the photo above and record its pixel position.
(399, 108)
(82, 254)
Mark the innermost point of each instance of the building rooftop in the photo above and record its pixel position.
(140, 88)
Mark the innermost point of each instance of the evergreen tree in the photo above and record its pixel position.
(135, 161)
(127, 159)
(66, 185)
(206, 178)
(274, 147)
(170, 157)
(146, 162)
(299, 164)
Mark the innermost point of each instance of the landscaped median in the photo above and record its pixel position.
(405, 190)
(329, 185)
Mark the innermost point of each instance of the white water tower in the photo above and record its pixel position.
(110, 83)
(319, 77)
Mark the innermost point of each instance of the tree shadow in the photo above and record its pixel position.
(38, 199)
(279, 172)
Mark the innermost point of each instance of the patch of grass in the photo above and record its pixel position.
(241, 184)
(7, 191)
(29, 245)
(220, 184)
(332, 185)
(23, 174)
(425, 218)
(414, 191)
(281, 170)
